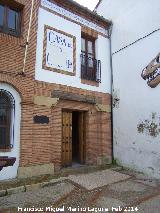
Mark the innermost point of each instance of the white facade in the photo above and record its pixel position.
(137, 103)
(52, 20)
(11, 171)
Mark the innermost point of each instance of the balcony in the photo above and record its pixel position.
(90, 68)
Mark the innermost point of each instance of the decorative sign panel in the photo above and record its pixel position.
(74, 17)
(59, 51)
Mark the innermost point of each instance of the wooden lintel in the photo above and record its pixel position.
(75, 97)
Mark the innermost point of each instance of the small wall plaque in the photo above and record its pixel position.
(41, 119)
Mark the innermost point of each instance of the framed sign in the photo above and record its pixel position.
(41, 119)
(59, 51)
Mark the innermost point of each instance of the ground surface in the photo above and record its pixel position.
(98, 191)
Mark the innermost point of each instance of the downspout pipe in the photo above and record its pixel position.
(28, 37)
(112, 84)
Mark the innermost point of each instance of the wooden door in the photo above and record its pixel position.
(66, 138)
(82, 137)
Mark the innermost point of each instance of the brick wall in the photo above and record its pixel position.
(12, 50)
(49, 140)
(42, 143)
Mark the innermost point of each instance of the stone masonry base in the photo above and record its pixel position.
(36, 170)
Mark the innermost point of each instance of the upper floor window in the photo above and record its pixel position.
(90, 67)
(9, 20)
(88, 50)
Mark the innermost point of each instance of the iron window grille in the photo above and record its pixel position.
(7, 117)
(90, 68)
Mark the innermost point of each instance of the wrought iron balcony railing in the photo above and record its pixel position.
(90, 68)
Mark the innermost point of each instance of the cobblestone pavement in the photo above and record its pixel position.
(103, 191)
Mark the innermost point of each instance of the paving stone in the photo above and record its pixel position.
(110, 203)
(150, 206)
(98, 179)
(33, 186)
(128, 186)
(15, 190)
(2, 193)
(80, 198)
(110, 193)
(49, 194)
(149, 182)
(117, 168)
(52, 181)
(129, 191)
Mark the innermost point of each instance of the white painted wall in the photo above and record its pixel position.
(11, 171)
(131, 21)
(102, 50)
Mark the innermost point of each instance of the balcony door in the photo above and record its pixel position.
(88, 67)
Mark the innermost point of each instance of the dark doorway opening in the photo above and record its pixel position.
(75, 137)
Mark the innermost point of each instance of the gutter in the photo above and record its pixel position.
(97, 5)
(112, 85)
(27, 41)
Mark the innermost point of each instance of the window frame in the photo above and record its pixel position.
(87, 39)
(88, 60)
(9, 126)
(4, 28)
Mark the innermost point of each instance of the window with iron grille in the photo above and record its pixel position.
(90, 67)
(6, 119)
(10, 19)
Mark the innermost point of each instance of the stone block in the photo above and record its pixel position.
(15, 190)
(104, 160)
(33, 186)
(2, 193)
(36, 170)
(45, 101)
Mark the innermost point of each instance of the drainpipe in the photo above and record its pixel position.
(112, 85)
(27, 41)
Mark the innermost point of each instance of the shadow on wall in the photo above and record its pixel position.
(150, 126)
